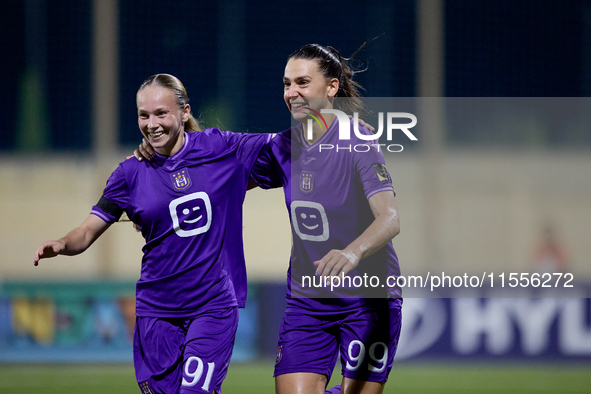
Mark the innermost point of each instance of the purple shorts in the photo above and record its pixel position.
(366, 339)
(184, 355)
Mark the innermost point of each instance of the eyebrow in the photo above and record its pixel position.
(296, 78)
(155, 110)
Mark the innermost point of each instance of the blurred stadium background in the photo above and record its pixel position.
(477, 198)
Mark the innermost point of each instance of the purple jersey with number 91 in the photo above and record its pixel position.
(189, 209)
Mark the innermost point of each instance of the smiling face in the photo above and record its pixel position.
(191, 214)
(309, 221)
(305, 86)
(160, 118)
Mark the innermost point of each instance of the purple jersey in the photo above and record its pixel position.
(326, 193)
(189, 209)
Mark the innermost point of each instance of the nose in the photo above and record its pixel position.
(292, 91)
(152, 124)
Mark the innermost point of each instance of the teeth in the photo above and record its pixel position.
(295, 106)
(156, 134)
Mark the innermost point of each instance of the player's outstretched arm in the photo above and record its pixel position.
(75, 242)
(385, 227)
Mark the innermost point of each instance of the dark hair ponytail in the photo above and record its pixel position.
(332, 65)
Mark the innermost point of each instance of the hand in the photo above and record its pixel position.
(336, 262)
(362, 123)
(48, 249)
(144, 151)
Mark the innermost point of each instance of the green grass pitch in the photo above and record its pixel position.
(246, 378)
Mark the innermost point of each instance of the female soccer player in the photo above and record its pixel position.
(344, 216)
(187, 203)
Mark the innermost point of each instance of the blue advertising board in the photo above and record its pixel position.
(94, 321)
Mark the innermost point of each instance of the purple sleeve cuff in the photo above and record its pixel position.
(383, 189)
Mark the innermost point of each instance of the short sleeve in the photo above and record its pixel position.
(266, 171)
(372, 171)
(246, 146)
(115, 198)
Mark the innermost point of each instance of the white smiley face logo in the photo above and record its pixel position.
(191, 214)
(311, 216)
(309, 221)
(187, 211)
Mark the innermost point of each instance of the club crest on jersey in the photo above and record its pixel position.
(145, 387)
(181, 179)
(279, 355)
(381, 172)
(307, 182)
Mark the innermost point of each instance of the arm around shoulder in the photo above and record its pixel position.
(75, 242)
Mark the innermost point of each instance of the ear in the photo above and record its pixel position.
(186, 112)
(333, 87)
